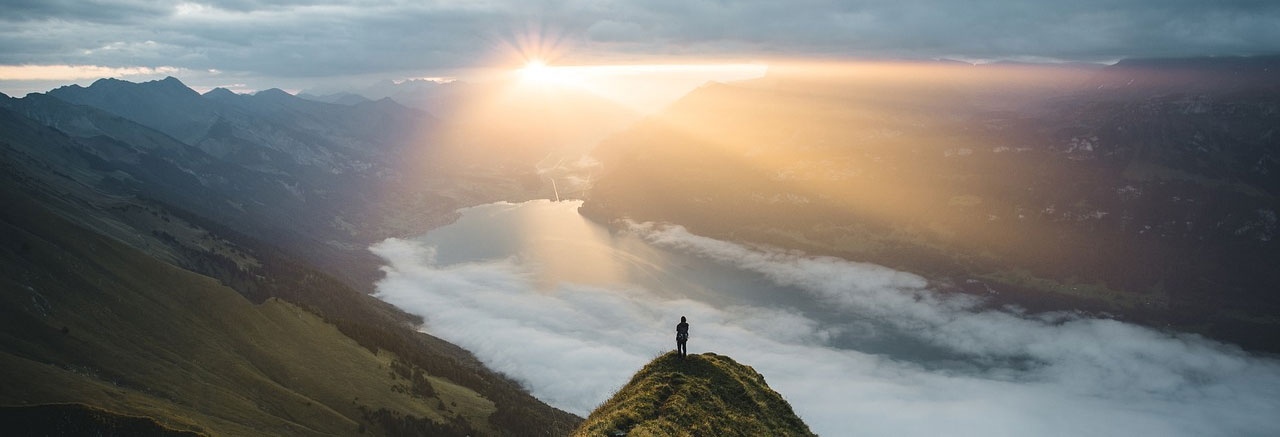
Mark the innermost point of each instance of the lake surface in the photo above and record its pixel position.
(572, 309)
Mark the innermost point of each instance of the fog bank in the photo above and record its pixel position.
(572, 344)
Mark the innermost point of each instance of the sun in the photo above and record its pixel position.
(534, 65)
(537, 71)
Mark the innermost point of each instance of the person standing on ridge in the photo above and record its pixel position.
(682, 336)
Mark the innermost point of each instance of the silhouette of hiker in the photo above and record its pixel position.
(682, 336)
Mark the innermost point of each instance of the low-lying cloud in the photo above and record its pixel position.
(73, 72)
(572, 345)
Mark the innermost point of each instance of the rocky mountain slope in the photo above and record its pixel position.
(700, 394)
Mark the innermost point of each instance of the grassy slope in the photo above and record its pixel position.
(86, 319)
(80, 419)
(705, 394)
(63, 176)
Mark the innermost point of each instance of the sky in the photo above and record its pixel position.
(297, 44)
(576, 338)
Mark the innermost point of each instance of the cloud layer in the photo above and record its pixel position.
(1007, 374)
(309, 39)
(73, 72)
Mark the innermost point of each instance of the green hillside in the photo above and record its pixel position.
(79, 419)
(85, 319)
(128, 287)
(698, 395)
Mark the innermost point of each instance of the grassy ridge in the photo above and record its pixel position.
(86, 319)
(705, 394)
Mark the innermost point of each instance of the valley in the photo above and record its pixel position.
(204, 260)
(1153, 202)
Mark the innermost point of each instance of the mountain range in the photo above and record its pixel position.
(200, 260)
(1145, 190)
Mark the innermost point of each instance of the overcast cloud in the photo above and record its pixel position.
(292, 42)
(572, 345)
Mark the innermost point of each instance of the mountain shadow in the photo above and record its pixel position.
(79, 419)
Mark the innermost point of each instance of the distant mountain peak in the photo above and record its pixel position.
(220, 92)
(385, 102)
(341, 98)
(72, 87)
(169, 84)
(273, 93)
(1192, 74)
(1262, 63)
(101, 83)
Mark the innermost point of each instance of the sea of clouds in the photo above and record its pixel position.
(573, 345)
